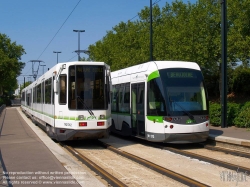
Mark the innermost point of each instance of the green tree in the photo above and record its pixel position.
(10, 64)
(181, 31)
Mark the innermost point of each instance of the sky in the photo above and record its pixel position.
(44, 26)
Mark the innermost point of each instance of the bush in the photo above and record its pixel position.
(232, 112)
(5, 100)
(243, 118)
(215, 114)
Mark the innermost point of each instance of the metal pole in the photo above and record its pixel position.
(224, 64)
(57, 55)
(151, 33)
(78, 46)
(79, 42)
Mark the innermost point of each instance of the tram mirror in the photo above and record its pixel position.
(55, 86)
(64, 66)
(108, 72)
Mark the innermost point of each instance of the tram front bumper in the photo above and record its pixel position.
(72, 134)
(179, 138)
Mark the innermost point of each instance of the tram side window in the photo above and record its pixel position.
(34, 95)
(53, 94)
(23, 96)
(48, 91)
(26, 93)
(127, 93)
(120, 94)
(38, 93)
(113, 98)
(63, 86)
(30, 96)
(42, 93)
(126, 98)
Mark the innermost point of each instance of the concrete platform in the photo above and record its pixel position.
(232, 135)
(28, 157)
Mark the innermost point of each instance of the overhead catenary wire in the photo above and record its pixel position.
(59, 29)
(156, 2)
(57, 32)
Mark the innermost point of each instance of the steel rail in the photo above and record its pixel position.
(228, 151)
(210, 160)
(105, 175)
(199, 157)
(176, 176)
(243, 146)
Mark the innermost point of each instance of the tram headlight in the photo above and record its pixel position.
(169, 119)
(81, 117)
(102, 116)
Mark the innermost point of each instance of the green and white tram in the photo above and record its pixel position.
(71, 101)
(160, 101)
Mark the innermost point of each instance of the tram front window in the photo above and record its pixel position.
(156, 102)
(184, 89)
(86, 87)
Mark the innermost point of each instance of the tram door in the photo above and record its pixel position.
(138, 109)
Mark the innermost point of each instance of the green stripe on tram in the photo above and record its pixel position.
(153, 75)
(158, 119)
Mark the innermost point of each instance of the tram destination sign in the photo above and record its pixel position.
(181, 74)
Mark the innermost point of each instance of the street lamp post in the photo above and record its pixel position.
(224, 64)
(79, 31)
(57, 55)
(82, 51)
(151, 33)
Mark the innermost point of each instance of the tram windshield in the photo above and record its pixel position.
(87, 87)
(177, 91)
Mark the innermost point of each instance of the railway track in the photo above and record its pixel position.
(104, 167)
(146, 167)
(184, 150)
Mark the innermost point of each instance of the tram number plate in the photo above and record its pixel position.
(68, 124)
(151, 136)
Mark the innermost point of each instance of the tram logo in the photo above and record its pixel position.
(189, 121)
(91, 118)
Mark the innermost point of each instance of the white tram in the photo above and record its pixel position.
(71, 101)
(160, 101)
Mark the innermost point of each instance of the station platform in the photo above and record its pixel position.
(232, 135)
(28, 157)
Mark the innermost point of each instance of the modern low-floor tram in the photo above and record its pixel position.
(160, 101)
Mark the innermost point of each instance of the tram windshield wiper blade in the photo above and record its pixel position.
(85, 106)
(191, 116)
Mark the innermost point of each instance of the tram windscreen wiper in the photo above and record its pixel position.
(85, 106)
(184, 110)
